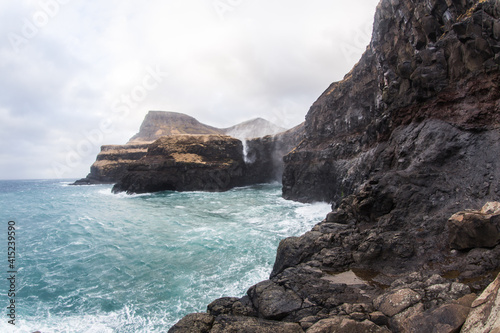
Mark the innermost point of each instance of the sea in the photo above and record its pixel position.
(82, 259)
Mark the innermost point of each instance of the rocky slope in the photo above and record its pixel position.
(265, 153)
(410, 137)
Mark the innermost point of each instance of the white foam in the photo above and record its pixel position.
(122, 195)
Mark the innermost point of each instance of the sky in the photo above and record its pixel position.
(75, 74)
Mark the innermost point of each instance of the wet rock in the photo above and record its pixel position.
(485, 313)
(239, 324)
(193, 323)
(471, 229)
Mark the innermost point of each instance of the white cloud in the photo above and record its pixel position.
(225, 65)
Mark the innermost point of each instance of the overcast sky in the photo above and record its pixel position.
(76, 74)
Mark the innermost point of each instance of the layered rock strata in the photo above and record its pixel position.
(112, 162)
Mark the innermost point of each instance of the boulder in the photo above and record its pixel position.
(394, 303)
(471, 229)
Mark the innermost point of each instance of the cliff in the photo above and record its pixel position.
(409, 138)
(186, 163)
(266, 152)
(112, 162)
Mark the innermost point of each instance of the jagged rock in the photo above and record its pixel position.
(472, 229)
(485, 314)
(344, 325)
(238, 324)
(193, 323)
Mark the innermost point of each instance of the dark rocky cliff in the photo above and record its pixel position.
(427, 61)
(408, 138)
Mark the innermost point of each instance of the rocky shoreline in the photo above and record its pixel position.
(407, 141)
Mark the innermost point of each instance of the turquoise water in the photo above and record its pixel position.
(91, 261)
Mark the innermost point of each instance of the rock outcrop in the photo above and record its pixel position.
(186, 163)
(410, 137)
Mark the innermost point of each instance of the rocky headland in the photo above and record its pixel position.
(177, 152)
(402, 146)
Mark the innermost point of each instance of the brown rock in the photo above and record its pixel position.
(485, 314)
(471, 229)
(393, 303)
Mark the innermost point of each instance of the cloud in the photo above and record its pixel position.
(65, 64)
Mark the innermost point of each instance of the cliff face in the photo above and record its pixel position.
(112, 162)
(186, 163)
(410, 137)
(427, 61)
